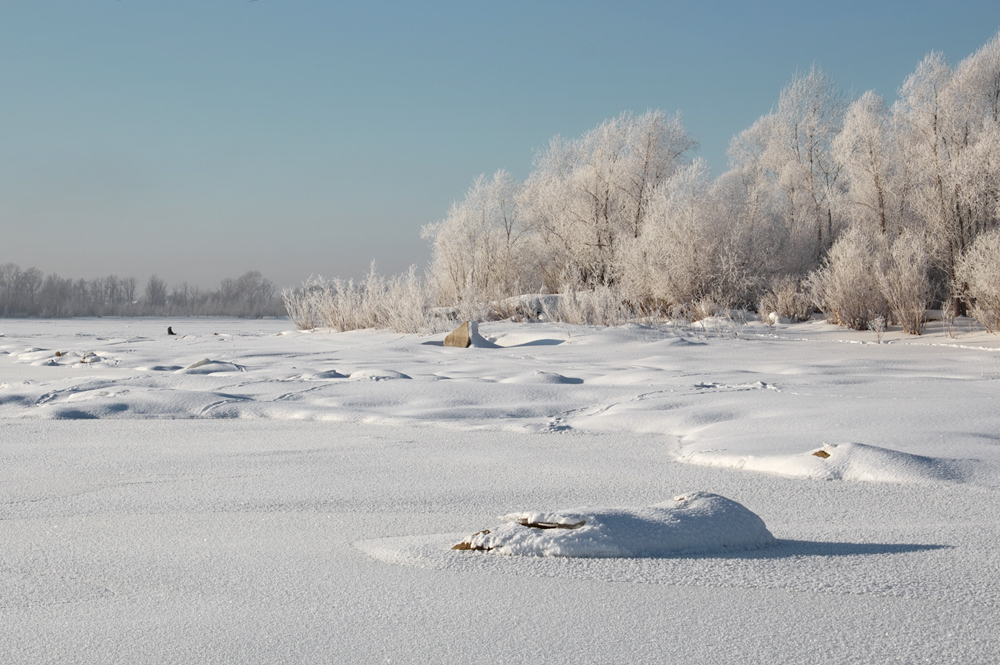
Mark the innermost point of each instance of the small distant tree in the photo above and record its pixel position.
(129, 285)
(253, 292)
(156, 292)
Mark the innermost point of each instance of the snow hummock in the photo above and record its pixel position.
(209, 366)
(540, 377)
(476, 339)
(693, 523)
(378, 374)
(845, 461)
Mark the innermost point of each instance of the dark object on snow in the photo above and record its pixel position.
(551, 525)
(170, 331)
(466, 545)
(821, 453)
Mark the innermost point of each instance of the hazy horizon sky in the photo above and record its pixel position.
(200, 139)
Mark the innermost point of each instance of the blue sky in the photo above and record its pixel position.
(200, 139)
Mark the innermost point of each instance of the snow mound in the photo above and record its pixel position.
(539, 377)
(695, 523)
(209, 366)
(378, 374)
(477, 340)
(319, 376)
(845, 461)
(529, 337)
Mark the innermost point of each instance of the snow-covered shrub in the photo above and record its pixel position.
(602, 306)
(396, 302)
(787, 300)
(978, 275)
(703, 308)
(847, 288)
(904, 283)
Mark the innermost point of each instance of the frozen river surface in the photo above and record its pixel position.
(234, 494)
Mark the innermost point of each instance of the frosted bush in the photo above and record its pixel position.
(978, 274)
(399, 303)
(787, 300)
(847, 288)
(602, 306)
(903, 281)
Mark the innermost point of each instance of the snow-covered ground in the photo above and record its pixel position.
(242, 492)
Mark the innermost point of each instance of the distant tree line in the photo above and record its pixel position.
(29, 293)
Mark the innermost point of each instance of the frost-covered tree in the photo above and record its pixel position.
(846, 287)
(675, 260)
(481, 249)
(903, 280)
(789, 151)
(952, 141)
(875, 176)
(587, 195)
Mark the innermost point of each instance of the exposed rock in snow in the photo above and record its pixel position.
(467, 335)
(460, 337)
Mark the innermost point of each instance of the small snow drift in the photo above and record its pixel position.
(378, 374)
(209, 366)
(327, 374)
(540, 377)
(695, 523)
(845, 461)
(529, 337)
